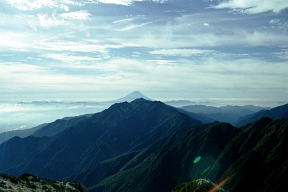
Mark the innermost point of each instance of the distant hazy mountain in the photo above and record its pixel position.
(274, 113)
(61, 124)
(181, 103)
(229, 114)
(29, 183)
(122, 128)
(198, 116)
(128, 98)
(131, 97)
(46, 129)
(19, 133)
(253, 157)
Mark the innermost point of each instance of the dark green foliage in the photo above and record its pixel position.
(169, 162)
(255, 156)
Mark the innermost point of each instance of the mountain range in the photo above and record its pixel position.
(254, 156)
(230, 114)
(274, 113)
(121, 128)
(146, 145)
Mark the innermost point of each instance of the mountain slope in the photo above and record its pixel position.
(257, 157)
(122, 128)
(19, 133)
(59, 125)
(274, 113)
(46, 129)
(180, 157)
(254, 156)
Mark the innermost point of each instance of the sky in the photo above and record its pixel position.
(228, 50)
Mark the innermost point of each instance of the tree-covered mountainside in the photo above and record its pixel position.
(122, 128)
(149, 146)
(182, 156)
(257, 157)
(254, 156)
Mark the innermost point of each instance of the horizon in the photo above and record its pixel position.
(205, 50)
(217, 102)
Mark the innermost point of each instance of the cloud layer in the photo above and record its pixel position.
(70, 49)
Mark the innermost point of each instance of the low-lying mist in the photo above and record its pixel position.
(26, 115)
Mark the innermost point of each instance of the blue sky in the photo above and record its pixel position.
(226, 50)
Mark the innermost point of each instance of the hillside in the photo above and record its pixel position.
(181, 157)
(254, 156)
(121, 128)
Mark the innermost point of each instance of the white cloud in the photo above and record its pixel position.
(119, 2)
(46, 21)
(78, 15)
(72, 46)
(70, 58)
(170, 39)
(254, 6)
(27, 5)
(14, 67)
(32, 4)
(123, 20)
(182, 52)
(283, 54)
(208, 76)
(134, 26)
(206, 24)
(123, 2)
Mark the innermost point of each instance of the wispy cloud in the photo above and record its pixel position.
(124, 2)
(182, 52)
(78, 15)
(133, 26)
(28, 5)
(254, 6)
(123, 20)
(283, 54)
(70, 58)
(51, 45)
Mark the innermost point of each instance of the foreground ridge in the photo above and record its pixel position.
(198, 185)
(29, 183)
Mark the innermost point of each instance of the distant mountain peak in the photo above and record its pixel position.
(136, 94)
(132, 96)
